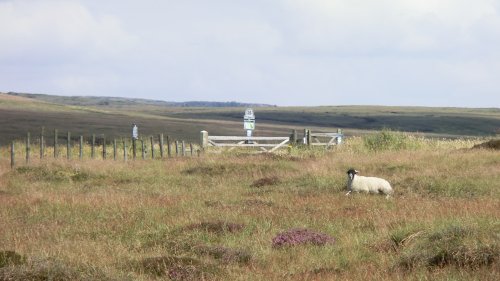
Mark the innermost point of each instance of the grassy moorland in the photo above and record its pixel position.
(215, 217)
(20, 115)
(438, 121)
(113, 118)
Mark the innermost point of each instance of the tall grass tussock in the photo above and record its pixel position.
(391, 140)
(221, 216)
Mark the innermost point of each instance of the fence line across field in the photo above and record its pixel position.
(102, 144)
(182, 149)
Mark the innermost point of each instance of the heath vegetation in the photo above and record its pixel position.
(113, 117)
(240, 216)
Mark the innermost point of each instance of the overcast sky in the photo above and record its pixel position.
(283, 52)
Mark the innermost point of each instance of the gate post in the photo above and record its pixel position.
(309, 137)
(294, 137)
(339, 136)
(203, 139)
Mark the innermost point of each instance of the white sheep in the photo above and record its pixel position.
(367, 184)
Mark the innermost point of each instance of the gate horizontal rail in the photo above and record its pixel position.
(266, 144)
(234, 138)
(330, 139)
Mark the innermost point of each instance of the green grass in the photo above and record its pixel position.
(389, 140)
(215, 216)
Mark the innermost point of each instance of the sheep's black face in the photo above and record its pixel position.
(351, 173)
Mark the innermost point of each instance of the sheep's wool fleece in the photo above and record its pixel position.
(370, 184)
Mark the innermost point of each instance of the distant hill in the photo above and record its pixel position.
(112, 117)
(120, 102)
(220, 104)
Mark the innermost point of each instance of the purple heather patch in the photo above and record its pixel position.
(297, 236)
(183, 273)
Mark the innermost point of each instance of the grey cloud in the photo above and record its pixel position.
(286, 52)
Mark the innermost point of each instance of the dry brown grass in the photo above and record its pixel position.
(113, 221)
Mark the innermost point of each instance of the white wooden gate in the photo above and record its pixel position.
(265, 144)
(326, 139)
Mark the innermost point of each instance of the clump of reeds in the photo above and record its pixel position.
(390, 140)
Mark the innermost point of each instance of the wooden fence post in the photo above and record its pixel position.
(104, 147)
(68, 146)
(152, 148)
(134, 148)
(12, 155)
(294, 137)
(161, 145)
(169, 149)
(114, 149)
(143, 150)
(191, 148)
(176, 148)
(309, 138)
(81, 148)
(92, 149)
(56, 153)
(183, 149)
(124, 151)
(41, 144)
(28, 148)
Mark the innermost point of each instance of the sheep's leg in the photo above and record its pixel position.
(348, 193)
